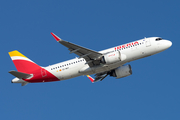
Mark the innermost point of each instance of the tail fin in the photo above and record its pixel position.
(22, 63)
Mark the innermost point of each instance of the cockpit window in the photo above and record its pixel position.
(157, 39)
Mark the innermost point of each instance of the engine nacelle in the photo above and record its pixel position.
(122, 71)
(113, 57)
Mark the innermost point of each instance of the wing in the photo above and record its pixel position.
(89, 55)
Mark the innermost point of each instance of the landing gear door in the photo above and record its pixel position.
(148, 43)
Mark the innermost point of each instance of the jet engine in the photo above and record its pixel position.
(113, 57)
(122, 71)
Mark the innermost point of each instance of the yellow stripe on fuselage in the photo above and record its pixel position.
(16, 53)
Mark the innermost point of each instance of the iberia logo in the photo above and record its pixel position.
(126, 45)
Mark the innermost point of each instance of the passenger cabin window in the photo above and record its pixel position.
(157, 39)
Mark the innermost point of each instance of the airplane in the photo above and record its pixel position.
(110, 62)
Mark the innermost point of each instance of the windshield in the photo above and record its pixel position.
(157, 39)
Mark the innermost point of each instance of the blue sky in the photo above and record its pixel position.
(151, 93)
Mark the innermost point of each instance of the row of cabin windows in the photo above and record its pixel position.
(83, 59)
(131, 46)
(66, 64)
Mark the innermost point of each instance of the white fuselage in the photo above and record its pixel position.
(77, 67)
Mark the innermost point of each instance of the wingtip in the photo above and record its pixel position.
(55, 37)
(90, 78)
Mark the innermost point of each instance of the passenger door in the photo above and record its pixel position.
(148, 43)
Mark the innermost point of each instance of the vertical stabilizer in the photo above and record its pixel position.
(22, 63)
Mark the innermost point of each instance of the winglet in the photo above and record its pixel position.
(56, 37)
(91, 79)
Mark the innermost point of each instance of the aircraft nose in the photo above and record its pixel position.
(165, 44)
(168, 43)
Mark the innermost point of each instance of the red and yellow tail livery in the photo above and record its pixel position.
(28, 71)
(22, 63)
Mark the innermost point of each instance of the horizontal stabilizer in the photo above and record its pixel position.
(20, 74)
